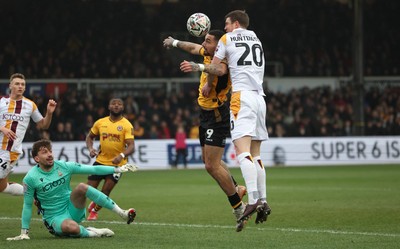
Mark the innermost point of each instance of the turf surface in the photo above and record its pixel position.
(312, 207)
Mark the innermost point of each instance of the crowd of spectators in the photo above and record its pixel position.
(304, 112)
(325, 112)
(154, 115)
(123, 38)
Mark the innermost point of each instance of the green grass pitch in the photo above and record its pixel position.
(312, 207)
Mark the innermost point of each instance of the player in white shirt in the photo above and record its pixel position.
(16, 112)
(244, 53)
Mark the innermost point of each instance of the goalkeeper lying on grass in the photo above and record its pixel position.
(48, 185)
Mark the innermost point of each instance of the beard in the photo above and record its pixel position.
(48, 164)
(115, 114)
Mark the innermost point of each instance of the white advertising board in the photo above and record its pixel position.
(158, 154)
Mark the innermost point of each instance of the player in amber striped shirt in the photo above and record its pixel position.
(214, 119)
(16, 112)
(116, 143)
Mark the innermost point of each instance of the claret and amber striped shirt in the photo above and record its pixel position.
(16, 115)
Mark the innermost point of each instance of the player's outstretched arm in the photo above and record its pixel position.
(77, 168)
(189, 47)
(213, 69)
(189, 66)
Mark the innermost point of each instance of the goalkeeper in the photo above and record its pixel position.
(48, 184)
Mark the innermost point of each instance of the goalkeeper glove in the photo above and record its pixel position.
(127, 167)
(22, 236)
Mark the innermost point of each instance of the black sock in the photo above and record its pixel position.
(235, 201)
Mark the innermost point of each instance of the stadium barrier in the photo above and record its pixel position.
(158, 154)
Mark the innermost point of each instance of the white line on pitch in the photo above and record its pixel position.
(292, 230)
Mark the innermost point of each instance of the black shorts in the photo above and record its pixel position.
(114, 177)
(214, 126)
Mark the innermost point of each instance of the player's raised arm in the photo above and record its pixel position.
(45, 122)
(189, 47)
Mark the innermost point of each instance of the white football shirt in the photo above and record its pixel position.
(15, 115)
(246, 61)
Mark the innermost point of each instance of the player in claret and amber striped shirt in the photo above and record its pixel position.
(15, 114)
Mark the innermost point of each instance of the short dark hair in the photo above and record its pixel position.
(240, 16)
(216, 33)
(111, 100)
(17, 75)
(40, 144)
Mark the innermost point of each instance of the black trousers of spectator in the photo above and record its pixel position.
(180, 153)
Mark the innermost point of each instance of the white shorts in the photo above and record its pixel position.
(248, 115)
(5, 164)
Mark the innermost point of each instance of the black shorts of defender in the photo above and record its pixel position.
(114, 177)
(214, 126)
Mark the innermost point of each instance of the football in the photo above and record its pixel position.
(198, 24)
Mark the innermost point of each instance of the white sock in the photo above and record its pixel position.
(261, 178)
(119, 211)
(249, 173)
(14, 189)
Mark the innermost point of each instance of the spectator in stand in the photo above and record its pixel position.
(68, 131)
(59, 134)
(165, 132)
(44, 134)
(85, 126)
(180, 147)
(194, 130)
(131, 107)
(280, 130)
(154, 132)
(138, 130)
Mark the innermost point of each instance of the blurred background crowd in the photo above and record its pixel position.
(123, 39)
(114, 39)
(304, 112)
